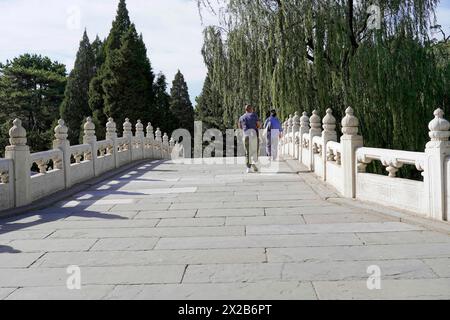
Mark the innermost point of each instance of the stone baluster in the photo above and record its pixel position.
(350, 142)
(150, 141)
(61, 143)
(295, 135)
(315, 131)
(111, 134)
(166, 146)
(328, 134)
(128, 134)
(158, 143)
(19, 153)
(90, 138)
(435, 173)
(140, 135)
(290, 137)
(304, 129)
(171, 146)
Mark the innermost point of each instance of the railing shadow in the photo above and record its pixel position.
(81, 210)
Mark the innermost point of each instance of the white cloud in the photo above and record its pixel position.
(172, 31)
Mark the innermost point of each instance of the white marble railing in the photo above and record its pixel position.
(343, 164)
(27, 177)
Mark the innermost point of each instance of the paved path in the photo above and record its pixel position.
(166, 231)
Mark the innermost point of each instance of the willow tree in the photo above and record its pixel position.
(299, 55)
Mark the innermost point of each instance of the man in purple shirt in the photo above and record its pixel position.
(250, 124)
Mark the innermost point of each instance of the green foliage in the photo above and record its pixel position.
(75, 107)
(32, 89)
(162, 115)
(305, 55)
(128, 80)
(180, 103)
(209, 108)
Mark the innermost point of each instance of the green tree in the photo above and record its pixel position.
(180, 103)
(104, 50)
(128, 80)
(75, 107)
(32, 88)
(306, 55)
(209, 107)
(162, 115)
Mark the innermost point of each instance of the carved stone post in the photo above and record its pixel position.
(90, 138)
(350, 141)
(171, 146)
(128, 134)
(290, 138)
(295, 137)
(150, 141)
(166, 146)
(328, 134)
(315, 131)
(285, 138)
(63, 144)
(140, 135)
(304, 128)
(19, 153)
(111, 134)
(158, 143)
(435, 175)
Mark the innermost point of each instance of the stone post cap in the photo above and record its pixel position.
(127, 124)
(17, 134)
(149, 127)
(61, 130)
(166, 138)
(304, 120)
(296, 119)
(111, 124)
(89, 125)
(439, 127)
(172, 142)
(139, 126)
(315, 120)
(329, 121)
(350, 124)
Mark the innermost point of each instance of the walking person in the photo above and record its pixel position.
(250, 124)
(274, 131)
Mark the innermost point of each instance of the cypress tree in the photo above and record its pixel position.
(75, 106)
(128, 80)
(180, 103)
(103, 51)
(209, 107)
(162, 114)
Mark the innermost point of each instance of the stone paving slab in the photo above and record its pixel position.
(418, 289)
(96, 292)
(355, 253)
(133, 275)
(152, 257)
(195, 231)
(148, 232)
(332, 228)
(223, 291)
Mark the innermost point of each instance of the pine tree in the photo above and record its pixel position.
(180, 103)
(103, 51)
(75, 106)
(128, 80)
(209, 107)
(162, 114)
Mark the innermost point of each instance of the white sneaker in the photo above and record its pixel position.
(249, 170)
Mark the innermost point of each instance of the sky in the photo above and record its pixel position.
(172, 31)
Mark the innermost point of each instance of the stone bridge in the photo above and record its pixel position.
(123, 221)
